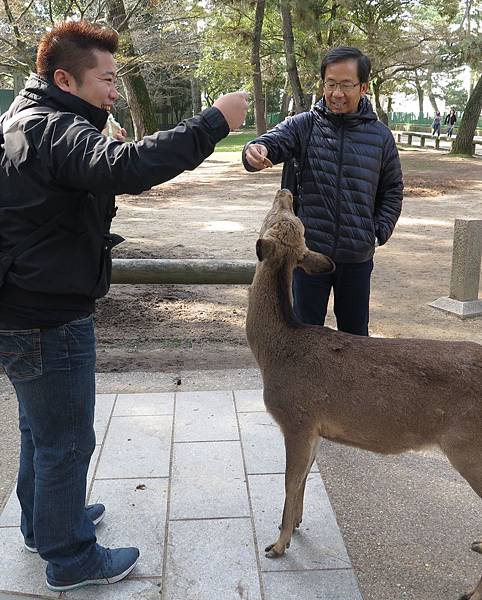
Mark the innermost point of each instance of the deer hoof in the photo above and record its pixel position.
(271, 552)
(477, 547)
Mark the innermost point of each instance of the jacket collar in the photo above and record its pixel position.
(41, 92)
(365, 112)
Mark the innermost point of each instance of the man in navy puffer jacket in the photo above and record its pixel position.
(350, 190)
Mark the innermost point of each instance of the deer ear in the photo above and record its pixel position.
(264, 248)
(313, 262)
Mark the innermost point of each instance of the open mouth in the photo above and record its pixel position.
(107, 107)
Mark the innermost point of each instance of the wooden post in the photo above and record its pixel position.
(186, 272)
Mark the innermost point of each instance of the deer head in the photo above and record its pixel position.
(282, 239)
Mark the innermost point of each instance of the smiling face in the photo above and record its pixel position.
(340, 99)
(97, 85)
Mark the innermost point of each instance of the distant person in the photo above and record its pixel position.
(350, 194)
(436, 124)
(450, 121)
(58, 178)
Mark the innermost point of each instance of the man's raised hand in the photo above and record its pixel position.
(234, 107)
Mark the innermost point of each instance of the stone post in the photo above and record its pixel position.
(463, 298)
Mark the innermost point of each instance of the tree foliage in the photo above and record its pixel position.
(189, 49)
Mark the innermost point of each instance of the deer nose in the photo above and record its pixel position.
(285, 198)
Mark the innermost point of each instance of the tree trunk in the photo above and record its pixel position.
(291, 68)
(137, 94)
(18, 82)
(382, 115)
(420, 96)
(196, 96)
(331, 31)
(285, 98)
(259, 102)
(430, 94)
(465, 136)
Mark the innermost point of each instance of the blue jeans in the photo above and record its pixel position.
(53, 372)
(351, 288)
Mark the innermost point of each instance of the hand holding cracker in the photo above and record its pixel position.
(257, 156)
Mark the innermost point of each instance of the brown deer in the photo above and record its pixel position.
(383, 395)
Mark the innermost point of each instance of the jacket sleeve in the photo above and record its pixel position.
(388, 202)
(282, 141)
(80, 157)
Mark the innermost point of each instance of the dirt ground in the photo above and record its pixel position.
(215, 212)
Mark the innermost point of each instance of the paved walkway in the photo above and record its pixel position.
(195, 480)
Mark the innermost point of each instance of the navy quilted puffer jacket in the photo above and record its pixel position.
(352, 186)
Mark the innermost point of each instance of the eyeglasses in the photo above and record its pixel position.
(345, 86)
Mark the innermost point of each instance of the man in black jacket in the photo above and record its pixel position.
(58, 179)
(350, 190)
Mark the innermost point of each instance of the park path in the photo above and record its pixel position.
(196, 481)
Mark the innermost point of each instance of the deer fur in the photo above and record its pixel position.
(383, 395)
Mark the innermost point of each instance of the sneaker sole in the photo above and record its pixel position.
(104, 581)
(34, 550)
(99, 519)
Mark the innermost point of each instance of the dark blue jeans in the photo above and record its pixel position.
(351, 289)
(53, 372)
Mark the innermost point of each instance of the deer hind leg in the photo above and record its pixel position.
(300, 449)
(467, 459)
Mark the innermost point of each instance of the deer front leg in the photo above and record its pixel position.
(299, 453)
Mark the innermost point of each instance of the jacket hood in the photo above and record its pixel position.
(365, 112)
(41, 92)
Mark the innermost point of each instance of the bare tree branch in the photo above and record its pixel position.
(129, 15)
(25, 10)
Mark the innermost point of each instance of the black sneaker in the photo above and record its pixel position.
(95, 512)
(118, 564)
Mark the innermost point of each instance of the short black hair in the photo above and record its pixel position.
(348, 53)
(70, 44)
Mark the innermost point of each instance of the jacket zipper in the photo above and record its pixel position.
(338, 180)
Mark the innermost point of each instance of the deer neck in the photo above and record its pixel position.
(270, 317)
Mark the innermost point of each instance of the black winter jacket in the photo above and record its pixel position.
(351, 191)
(61, 163)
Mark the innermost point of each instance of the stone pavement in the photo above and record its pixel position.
(195, 480)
